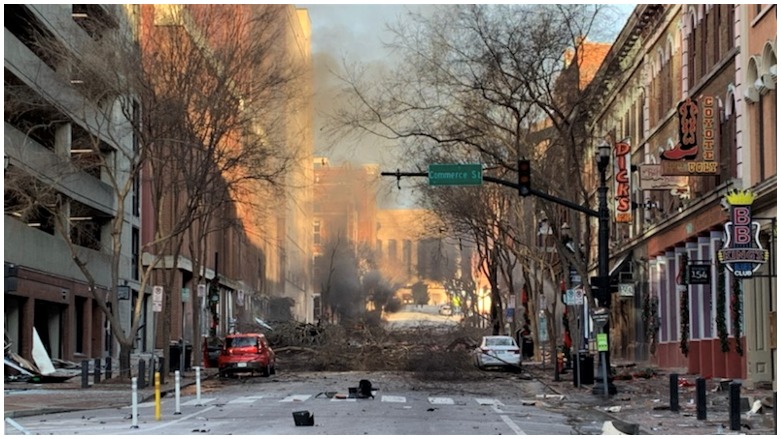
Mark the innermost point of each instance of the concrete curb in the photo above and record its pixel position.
(142, 398)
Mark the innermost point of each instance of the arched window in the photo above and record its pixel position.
(691, 57)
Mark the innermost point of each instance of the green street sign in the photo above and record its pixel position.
(455, 175)
(602, 342)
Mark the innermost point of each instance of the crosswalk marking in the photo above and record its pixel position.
(245, 399)
(204, 401)
(302, 397)
(488, 401)
(293, 398)
(440, 400)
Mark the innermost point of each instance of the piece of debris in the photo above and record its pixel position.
(303, 419)
(528, 402)
(431, 409)
(613, 409)
(620, 428)
(756, 407)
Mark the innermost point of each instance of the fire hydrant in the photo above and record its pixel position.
(560, 361)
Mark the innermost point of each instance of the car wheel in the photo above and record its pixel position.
(222, 374)
(266, 371)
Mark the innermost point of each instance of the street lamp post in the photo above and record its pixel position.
(603, 280)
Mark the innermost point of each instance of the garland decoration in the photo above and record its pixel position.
(721, 302)
(737, 315)
(651, 320)
(685, 322)
(684, 311)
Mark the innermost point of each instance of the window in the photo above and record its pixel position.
(692, 51)
(136, 254)
(317, 238)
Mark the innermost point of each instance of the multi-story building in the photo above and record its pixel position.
(256, 247)
(53, 123)
(688, 98)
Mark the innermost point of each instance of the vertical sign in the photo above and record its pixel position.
(240, 298)
(622, 182)
(696, 152)
(742, 252)
(201, 290)
(185, 295)
(157, 298)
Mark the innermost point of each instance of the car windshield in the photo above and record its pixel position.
(505, 341)
(241, 342)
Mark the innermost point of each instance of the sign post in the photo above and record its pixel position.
(157, 306)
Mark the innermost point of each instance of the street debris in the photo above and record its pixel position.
(620, 428)
(613, 409)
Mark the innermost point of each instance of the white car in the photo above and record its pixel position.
(498, 351)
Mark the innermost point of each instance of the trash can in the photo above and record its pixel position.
(175, 352)
(176, 356)
(585, 369)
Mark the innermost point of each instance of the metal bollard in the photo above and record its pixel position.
(674, 407)
(134, 400)
(97, 371)
(84, 374)
(157, 396)
(141, 374)
(701, 406)
(177, 392)
(108, 368)
(734, 406)
(197, 386)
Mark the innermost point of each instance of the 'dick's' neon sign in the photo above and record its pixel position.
(622, 183)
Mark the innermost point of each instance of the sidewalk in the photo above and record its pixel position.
(646, 403)
(30, 399)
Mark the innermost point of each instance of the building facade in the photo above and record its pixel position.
(71, 146)
(691, 118)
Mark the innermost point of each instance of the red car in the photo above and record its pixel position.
(246, 353)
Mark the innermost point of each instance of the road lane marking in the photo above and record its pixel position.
(293, 398)
(146, 428)
(439, 400)
(513, 426)
(391, 398)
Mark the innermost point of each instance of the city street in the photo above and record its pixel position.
(263, 406)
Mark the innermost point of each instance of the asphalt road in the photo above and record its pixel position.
(265, 406)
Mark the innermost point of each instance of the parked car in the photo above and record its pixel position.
(246, 353)
(445, 310)
(498, 351)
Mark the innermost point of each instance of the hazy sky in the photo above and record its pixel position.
(355, 33)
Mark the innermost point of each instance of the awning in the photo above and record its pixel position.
(620, 263)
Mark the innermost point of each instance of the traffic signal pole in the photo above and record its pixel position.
(602, 281)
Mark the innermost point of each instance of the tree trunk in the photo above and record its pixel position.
(125, 349)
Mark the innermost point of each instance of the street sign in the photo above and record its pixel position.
(602, 342)
(455, 174)
(579, 294)
(157, 298)
(569, 298)
(201, 290)
(185, 295)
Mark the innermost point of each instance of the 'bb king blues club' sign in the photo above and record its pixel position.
(696, 152)
(742, 252)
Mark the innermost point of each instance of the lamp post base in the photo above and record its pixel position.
(599, 387)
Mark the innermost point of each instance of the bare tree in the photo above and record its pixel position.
(190, 105)
(491, 84)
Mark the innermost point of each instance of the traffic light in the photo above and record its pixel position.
(524, 178)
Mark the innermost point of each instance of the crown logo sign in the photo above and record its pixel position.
(738, 197)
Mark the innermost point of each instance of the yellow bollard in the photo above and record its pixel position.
(157, 396)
